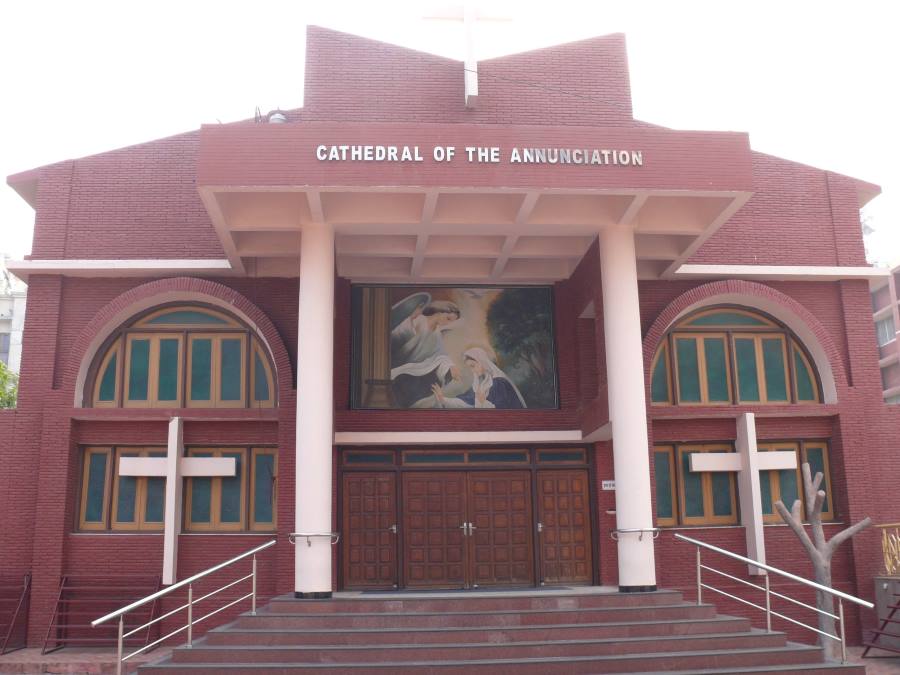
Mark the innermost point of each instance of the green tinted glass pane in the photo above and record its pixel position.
(201, 494)
(264, 488)
(721, 490)
(693, 488)
(96, 486)
(513, 456)
(187, 316)
(139, 370)
(765, 489)
(561, 456)
(368, 458)
(688, 373)
(168, 370)
(434, 458)
(663, 485)
(805, 389)
(231, 493)
(773, 364)
(108, 381)
(787, 481)
(659, 383)
(201, 369)
(230, 381)
(815, 456)
(716, 369)
(125, 504)
(727, 319)
(745, 356)
(260, 381)
(156, 495)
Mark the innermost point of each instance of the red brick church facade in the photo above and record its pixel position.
(186, 201)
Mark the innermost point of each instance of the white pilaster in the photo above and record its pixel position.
(174, 485)
(315, 409)
(627, 406)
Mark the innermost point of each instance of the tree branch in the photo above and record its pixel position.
(796, 524)
(844, 535)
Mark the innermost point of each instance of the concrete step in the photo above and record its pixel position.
(691, 661)
(397, 653)
(471, 601)
(347, 620)
(415, 635)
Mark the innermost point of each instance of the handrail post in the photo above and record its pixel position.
(699, 586)
(119, 647)
(190, 609)
(843, 635)
(768, 606)
(253, 598)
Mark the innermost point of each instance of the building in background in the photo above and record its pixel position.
(887, 319)
(12, 318)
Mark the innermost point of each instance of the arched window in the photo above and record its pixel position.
(730, 355)
(176, 356)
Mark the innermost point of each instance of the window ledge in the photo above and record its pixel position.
(693, 412)
(188, 414)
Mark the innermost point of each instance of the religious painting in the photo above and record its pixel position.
(444, 347)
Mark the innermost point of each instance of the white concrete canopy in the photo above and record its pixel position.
(174, 467)
(747, 462)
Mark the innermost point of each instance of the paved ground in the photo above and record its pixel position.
(102, 662)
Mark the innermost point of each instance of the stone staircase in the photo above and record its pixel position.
(588, 630)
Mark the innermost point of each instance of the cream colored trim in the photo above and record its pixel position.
(777, 272)
(118, 268)
(455, 437)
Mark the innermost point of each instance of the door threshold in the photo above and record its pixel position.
(410, 594)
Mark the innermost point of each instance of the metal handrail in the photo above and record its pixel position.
(840, 595)
(614, 534)
(189, 606)
(335, 537)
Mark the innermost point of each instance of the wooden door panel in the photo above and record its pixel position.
(564, 512)
(370, 547)
(502, 547)
(434, 507)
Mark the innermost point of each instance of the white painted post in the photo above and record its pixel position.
(315, 410)
(627, 406)
(174, 486)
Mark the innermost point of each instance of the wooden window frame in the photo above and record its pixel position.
(115, 349)
(701, 367)
(140, 494)
(769, 324)
(152, 400)
(673, 487)
(663, 352)
(774, 479)
(790, 387)
(256, 349)
(85, 467)
(215, 494)
(826, 460)
(708, 518)
(795, 345)
(144, 321)
(215, 400)
(263, 526)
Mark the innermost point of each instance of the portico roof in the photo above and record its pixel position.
(470, 217)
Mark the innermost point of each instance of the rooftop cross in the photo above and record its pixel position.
(469, 15)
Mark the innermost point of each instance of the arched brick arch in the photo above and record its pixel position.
(179, 289)
(753, 295)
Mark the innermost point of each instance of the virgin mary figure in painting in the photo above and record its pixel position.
(491, 388)
(418, 357)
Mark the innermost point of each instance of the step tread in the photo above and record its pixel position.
(787, 649)
(786, 668)
(231, 628)
(463, 596)
(480, 612)
(201, 646)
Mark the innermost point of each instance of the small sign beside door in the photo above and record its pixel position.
(608, 485)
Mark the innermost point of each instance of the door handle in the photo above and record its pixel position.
(471, 528)
(393, 528)
(540, 527)
(465, 528)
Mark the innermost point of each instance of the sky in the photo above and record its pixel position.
(814, 82)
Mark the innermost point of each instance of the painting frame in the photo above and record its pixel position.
(357, 400)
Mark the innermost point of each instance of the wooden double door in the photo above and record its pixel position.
(465, 529)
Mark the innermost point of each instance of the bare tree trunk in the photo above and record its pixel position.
(820, 551)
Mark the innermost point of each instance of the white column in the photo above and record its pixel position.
(627, 406)
(172, 516)
(315, 410)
